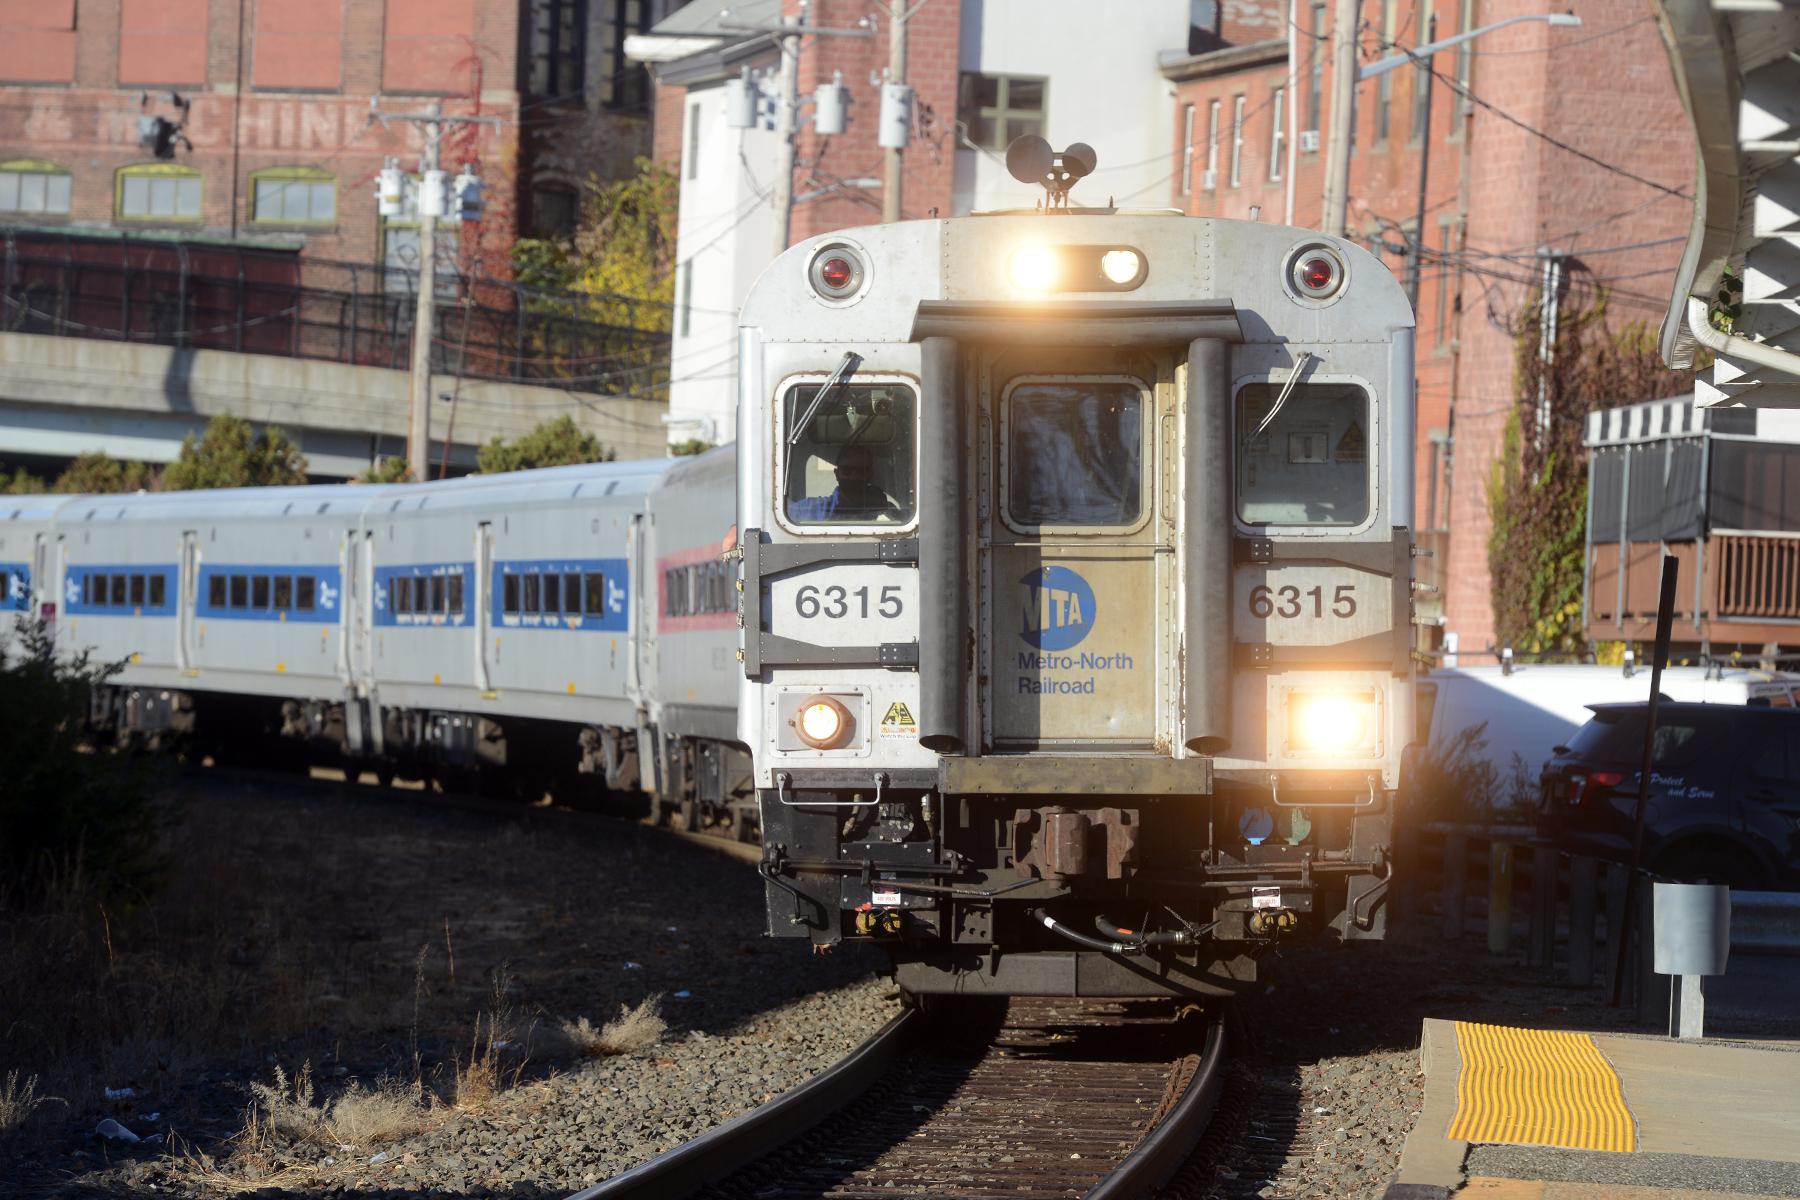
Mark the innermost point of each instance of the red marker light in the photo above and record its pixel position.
(1317, 274)
(836, 274)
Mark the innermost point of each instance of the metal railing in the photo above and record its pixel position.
(1758, 576)
(219, 296)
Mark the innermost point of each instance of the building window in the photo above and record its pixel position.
(293, 196)
(1237, 140)
(693, 142)
(996, 109)
(553, 211)
(158, 192)
(1315, 75)
(1422, 80)
(1277, 136)
(28, 186)
(1211, 182)
(623, 83)
(400, 249)
(1446, 283)
(1384, 85)
(558, 49)
(1187, 149)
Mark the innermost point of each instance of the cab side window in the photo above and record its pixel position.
(1306, 462)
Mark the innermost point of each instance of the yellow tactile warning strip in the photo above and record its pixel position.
(1537, 1087)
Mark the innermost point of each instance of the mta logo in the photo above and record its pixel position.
(1059, 608)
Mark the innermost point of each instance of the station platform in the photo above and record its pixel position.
(1537, 1114)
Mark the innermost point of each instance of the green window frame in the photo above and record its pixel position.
(31, 185)
(158, 192)
(293, 196)
(995, 109)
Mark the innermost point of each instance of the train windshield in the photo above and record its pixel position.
(1310, 466)
(853, 462)
(1074, 452)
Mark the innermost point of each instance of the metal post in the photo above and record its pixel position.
(786, 103)
(418, 424)
(1665, 616)
(894, 157)
(1500, 886)
(1456, 874)
(1343, 96)
(1584, 881)
(1418, 256)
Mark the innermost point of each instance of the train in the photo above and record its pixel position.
(1049, 623)
(566, 628)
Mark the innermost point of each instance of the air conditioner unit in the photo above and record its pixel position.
(1309, 141)
(1209, 179)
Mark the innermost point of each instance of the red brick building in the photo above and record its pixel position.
(268, 134)
(1535, 137)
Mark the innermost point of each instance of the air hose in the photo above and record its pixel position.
(1117, 940)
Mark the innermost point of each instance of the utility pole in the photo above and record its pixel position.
(1418, 247)
(787, 105)
(1343, 98)
(894, 157)
(431, 202)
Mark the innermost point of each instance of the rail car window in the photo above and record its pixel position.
(852, 461)
(118, 591)
(306, 593)
(215, 591)
(552, 593)
(440, 595)
(533, 593)
(594, 594)
(1074, 452)
(259, 591)
(403, 594)
(572, 593)
(1311, 465)
(240, 591)
(284, 592)
(455, 598)
(138, 591)
(159, 591)
(92, 589)
(509, 602)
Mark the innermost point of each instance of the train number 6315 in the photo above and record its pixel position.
(838, 602)
(1289, 601)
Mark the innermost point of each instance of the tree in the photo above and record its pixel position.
(623, 254)
(691, 446)
(557, 443)
(1537, 490)
(94, 473)
(391, 469)
(21, 483)
(232, 454)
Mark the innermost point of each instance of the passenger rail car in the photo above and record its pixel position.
(1076, 601)
(436, 629)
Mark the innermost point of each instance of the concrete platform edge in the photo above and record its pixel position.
(1431, 1164)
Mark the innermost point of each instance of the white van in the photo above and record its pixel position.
(1526, 713)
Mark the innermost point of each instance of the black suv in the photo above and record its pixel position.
(1724, 801)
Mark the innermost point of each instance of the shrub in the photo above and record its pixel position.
(557, 443)
(66, 812)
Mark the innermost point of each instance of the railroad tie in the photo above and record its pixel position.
(1538, 1087)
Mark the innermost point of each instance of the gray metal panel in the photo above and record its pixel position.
(944, 634)
(1206, 538)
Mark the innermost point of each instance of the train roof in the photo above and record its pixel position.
(30, 508)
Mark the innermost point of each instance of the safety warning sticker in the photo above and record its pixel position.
(898, 721)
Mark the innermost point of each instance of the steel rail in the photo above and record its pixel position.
(744, 1139)
(1154, 1161)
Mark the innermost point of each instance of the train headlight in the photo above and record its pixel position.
(1034, 268)
(823, 724)
(1121, 266)
(1334, 723)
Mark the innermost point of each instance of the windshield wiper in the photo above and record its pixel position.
(845, 370)
(1286, 391)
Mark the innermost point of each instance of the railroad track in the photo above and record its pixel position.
(1039, 1098)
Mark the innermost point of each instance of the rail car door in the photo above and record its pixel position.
(1076, 516)
(482, 595)
(187, 640)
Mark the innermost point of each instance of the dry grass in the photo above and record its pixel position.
(634, 1029)
(19, 1101)
(358, 1118)
(495, 1062)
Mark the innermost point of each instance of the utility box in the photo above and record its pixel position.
(896, 116)
(1691, 939)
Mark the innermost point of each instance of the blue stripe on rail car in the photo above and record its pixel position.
(421, 595)
(15, 587)
(120, 590)
(580, 594)
(244, 592)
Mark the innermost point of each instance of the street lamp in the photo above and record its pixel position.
(1346, 75)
